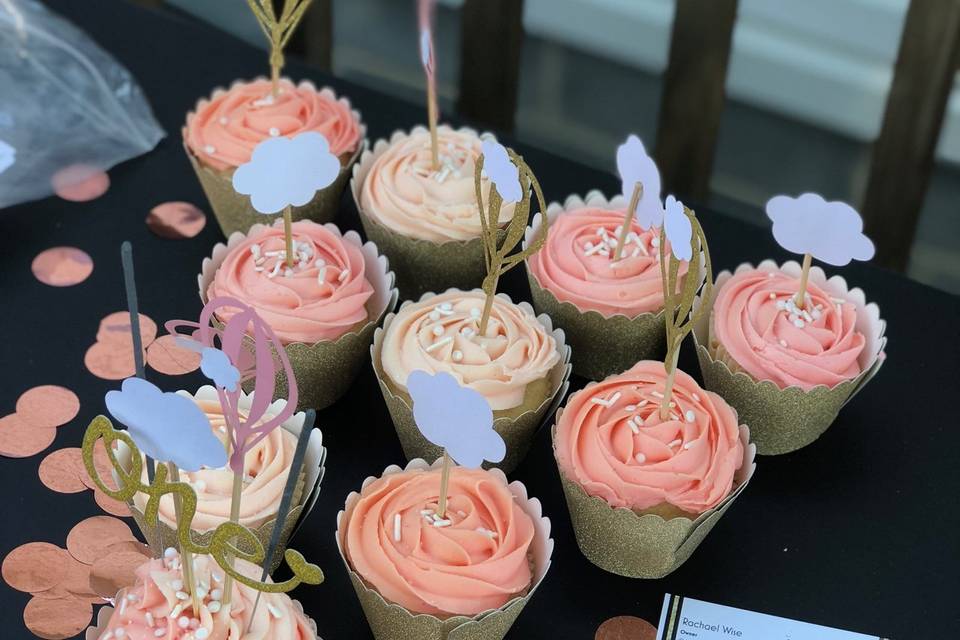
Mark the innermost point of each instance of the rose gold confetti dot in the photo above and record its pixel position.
(62, 266)
(89, 537)
(115, 328)
(104, 469)
(19, 439)
(57, 619)
(626, 628)
(75, 583)
(80, 183)
(176, 220)
(35, 566)
(110, 361)
(48, 406)
(127, 545)
(110, 505)
(58, 471)
(166, 356)
(114, 571)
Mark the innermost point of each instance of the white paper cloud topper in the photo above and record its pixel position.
(831, 232)
(679, 231)
(456, 418)
(634, 165)
(286, 172)
(504, 175)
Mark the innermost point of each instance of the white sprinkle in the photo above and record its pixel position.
(467, 332)
(396, 527)
(149, 618)
(216, 594)
(438, 331)
(170, 552)
(457, 356)
(675, 443)
(616, 396)
(344, 275)
(132, 597)
(201, 634)
(781, 305)
(600, 401)
(214, 606)
(656, 394)
(177, 585)
(633, 426)
(435, 517)
(690, 415)
(672, 405)
(183, 622)
(255, 250)
(773, 296)
(838, 300)
(446, 306)
(426, 512)
(274, 132)
(674, 416)
(123, 606)
(439, 343)
(159, 633)
(435, 315)
(695, 397)
(210, 149)
(642, 403)
(442, 523)
(217, 577)
(640, 458)
(816, 314)
(177, 610)
(630, 407)
(799, 324)
(475, 312)
(689, 445)
(276, 613)
(181, 595)
(655, 241)
(486, 532)
(595, 249)
(276, 269)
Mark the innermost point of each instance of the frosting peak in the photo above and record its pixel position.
(321, 298)
(473, 560)
(610, 440)
(576, 263)
(403, 192)
(224, 130)
(755, 326)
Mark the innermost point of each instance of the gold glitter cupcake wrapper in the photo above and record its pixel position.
(234, 211)
(420, 265)
(390, 621)
(602, 345)
(623, 542)
(305, 495)
(518, 431)
(325, 369)
(784, 420)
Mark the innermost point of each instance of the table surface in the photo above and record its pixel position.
(857, 531)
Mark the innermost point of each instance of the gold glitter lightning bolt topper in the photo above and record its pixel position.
(227, 539)
(278, 29)
(497, 260)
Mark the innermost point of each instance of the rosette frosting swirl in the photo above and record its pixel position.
(576, 263)
(266, 468)
(756, 323)
(320, 298)
(442, 333)
(611, 441)
(403, 192)
(224, 130)
(473, 559)
(151, 609)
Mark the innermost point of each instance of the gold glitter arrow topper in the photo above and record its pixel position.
(497, 260)
(278, 29)
(228, 540)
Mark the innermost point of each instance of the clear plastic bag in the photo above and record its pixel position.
(64, 102)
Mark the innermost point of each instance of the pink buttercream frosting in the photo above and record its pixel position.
(321, 298)
(755, 322)
(611, 441)
(150, 608)
(403, 192)
(223, 131)
(479, 561)
(576, 263)
(442, 334)
(266, 468)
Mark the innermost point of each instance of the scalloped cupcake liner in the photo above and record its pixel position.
(162, 535)
(643, 545)
(390, 621)
(518, 429)
(324, 370)
(96, 631)
(420, 265)
(787, 419)
(234, 212)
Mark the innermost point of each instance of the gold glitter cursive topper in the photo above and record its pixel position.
(226, 537)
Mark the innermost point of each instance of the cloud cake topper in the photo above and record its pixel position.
(638, 172)
(830, 231)
(456, 418)
(678, 229)
(503, 174)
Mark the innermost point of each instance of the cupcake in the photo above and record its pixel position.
(323, 310)
(421, 576)
(611, 312)
(520, 366)
(425, 220)
(150, 608)
(787, 370)
(643, 491)
(222, 131)
(267, 467)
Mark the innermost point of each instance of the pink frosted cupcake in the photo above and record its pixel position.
(222, 131)
(643, 491)
(324, 309)
(610, 310)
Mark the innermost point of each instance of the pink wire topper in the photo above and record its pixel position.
(425, 21)
(257, 361)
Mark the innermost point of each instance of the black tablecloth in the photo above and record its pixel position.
(858, 530)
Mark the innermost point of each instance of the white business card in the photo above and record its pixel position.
(689, 619)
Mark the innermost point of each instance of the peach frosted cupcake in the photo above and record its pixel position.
(222, 131)
(420, 576)
(425, 218)
(610, 310)
(644, 491)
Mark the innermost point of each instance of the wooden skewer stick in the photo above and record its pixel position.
(234, 517)
(288, 233)
(186, 556)
(628, 220)
(432, 120)
(444, 483)
(801, 296)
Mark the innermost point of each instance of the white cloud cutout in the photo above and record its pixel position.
(679, 231)
(504, 175)
(830, 231)
(635, 165)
